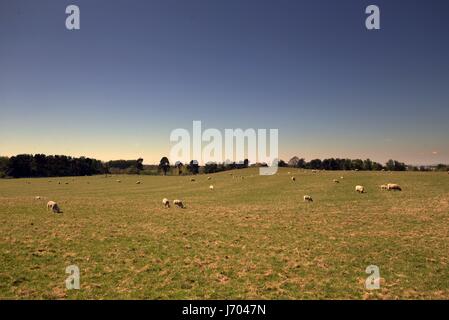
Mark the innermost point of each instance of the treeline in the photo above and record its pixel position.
(40, 165)
(194, 168)
(343, 164)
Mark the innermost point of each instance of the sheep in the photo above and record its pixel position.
(393, 186)
(178, 203)
(192, 180)
(308, 198)
(336, 181)
(211, 187)
(383, 187)
(293, 179)
(314, 171)
(342, 177)
(166, 203)
(208, 178)
(51, 205)
(119, 181)
(37, 198)
(360, 189)
(138, 182)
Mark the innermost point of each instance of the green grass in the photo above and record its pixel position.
(251, 238)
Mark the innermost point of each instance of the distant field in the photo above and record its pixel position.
(251, 238)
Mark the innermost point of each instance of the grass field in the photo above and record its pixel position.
(251, 238)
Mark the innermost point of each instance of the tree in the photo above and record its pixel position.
(179, 166)
(315, 164)
(193, 167)
(164, 165)
(4, 161)
(367, 165)
(281, 164)
(293, 162)
(139, 164)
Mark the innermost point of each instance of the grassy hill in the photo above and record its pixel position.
(249, 238)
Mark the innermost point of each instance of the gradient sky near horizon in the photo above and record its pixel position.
(139, 69)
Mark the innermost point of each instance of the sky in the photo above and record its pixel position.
(137, 69)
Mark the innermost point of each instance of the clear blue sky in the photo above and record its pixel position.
(139, 69)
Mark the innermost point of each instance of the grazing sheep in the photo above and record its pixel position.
(393, 186)
(293, 178)
(166, 203)
(37, 197)
(211, 187)
(178, 203)
(208, 178)
(51, 205)
(119, 181)
(308, 198)
(383, 187)
(336, 181)
(342, 177)
(138, 182)
(360, 189)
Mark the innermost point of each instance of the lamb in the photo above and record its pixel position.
(211, 187)
(393, 186)
(360, 189)
(178, 203)
(308, 198)
(51, 205)
(166, 203)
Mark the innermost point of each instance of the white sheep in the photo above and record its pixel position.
(208, 178)
(138, 182)
(166, 203)
(308, 198)
(51, 205)
(393, 186)
(360, 189)
(178, 203)
(293, 178)
(37, 198)
(383, 187)
(336, 181)
(119, 181)
(211, 187)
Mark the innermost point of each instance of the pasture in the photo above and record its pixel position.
(250, 238)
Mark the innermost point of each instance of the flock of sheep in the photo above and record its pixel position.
(53, 206)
